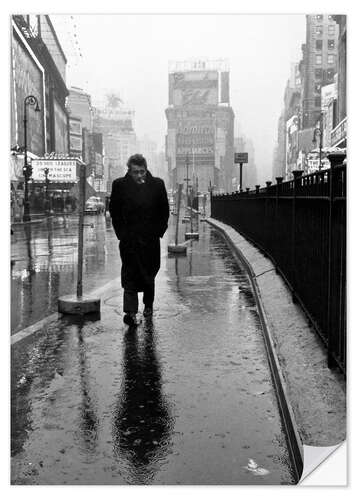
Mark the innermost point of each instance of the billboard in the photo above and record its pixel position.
(195, 137)
(193, 88)
(75, 144)
(75, 126)
(75, 136)
(58, 170)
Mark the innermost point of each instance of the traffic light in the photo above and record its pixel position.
(27, 171)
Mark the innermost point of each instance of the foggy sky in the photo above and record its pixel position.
(130, 54)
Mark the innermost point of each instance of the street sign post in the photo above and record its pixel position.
(241, 158)
(80, 304)
(176, 247)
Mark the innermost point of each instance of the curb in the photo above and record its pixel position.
(293, 439)
(20, 224)
(52, 318)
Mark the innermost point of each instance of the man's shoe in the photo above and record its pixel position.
(147, 311)
(131, 319)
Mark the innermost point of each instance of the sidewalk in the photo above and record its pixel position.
(317, 394)
(187, 398)
(37, 218)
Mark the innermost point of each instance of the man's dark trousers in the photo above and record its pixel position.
(131, 303)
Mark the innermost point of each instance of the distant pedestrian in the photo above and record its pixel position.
(139, 210)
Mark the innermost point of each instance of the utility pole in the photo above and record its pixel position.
(30, 100)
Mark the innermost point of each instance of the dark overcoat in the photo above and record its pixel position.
(140, 214)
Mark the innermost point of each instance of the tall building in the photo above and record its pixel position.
(310, 99)
(80, 106)
(116, 123)
(156, 160)
(319, 64)
(339, 133)
(200, 125)
(279, 156)
(148, 148)
(39, 69)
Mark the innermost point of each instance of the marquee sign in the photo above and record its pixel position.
(58, 170)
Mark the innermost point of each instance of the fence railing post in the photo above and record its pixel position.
(335, 159)
(279, 181)
(297, 182)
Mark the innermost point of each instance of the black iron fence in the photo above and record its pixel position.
(301, 226)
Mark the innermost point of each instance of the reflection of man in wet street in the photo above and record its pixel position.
(139, 210)
(142, 423)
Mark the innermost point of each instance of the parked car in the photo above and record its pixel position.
(94, 205)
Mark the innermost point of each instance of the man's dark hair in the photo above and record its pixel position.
(137, 160)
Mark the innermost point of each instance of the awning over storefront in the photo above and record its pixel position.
(17, 163)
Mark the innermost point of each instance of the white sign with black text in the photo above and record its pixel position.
(58, 170)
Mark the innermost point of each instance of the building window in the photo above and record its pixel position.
(319, 17)
(318, 44)
(330, 74)
(317, 102)
(330, 59)
(317, 88)
(318, 59)
(331, 29)
(319, 30)
(318, 73)
(331, 44)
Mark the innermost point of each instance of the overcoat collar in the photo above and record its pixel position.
(128, 177)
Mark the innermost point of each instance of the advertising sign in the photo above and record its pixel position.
(75, 144)
(75, 126)
(194, 88)
(240, 157)
(59, 170)
(197, 139)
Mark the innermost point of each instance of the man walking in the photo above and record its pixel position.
(139, 210)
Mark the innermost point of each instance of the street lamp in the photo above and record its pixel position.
(30, 100)
(318, 132)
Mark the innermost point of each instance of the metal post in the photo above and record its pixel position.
(297, 179)
(191, 200)
(46, 170)
(178, 212)
(26, 215)
(241, 177)
(187, 179)
(279, 181)
(82, 194)
(320, 161)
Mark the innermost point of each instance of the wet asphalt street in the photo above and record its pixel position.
(186, 398)
(44, 259)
